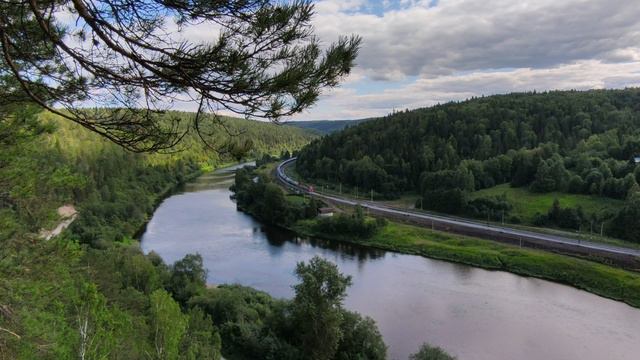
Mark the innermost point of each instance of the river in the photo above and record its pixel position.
(470, 312)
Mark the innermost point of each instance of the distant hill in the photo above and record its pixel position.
(324, 127)
(548, 143)
(251, 138)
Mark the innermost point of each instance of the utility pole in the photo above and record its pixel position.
(371, 195)
(602, 229)
(340, 188)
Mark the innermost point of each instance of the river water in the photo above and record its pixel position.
(470, 312)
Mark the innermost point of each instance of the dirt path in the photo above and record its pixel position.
(68, 214)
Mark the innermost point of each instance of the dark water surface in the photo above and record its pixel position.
(472, 313)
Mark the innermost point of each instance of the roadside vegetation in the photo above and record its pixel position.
(256, 194)
(577, 147)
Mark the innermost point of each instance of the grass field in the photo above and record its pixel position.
(594, 277)
(296, 199)
(526, 203)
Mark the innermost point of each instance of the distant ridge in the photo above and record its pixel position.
(324, 127)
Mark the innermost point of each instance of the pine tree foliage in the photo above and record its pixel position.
(260, 59)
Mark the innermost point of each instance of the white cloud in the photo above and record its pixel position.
(469, 35)
(420, 52)
(346, 103)
(461, 48)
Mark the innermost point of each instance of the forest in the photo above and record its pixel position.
(570, 142)
(90, 292)
(324, 127)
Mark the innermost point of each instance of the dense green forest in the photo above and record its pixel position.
(114, 190)
(324, 127)
(563, 141)
(90, 292)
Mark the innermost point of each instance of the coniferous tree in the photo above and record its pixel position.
(262, 60)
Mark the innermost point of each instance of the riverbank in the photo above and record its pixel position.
(596, 278)
(599, 279)
(172, 188)
(398, 291)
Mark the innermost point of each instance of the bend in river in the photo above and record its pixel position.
(470, 312)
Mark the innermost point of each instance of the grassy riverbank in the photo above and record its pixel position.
(596, 278)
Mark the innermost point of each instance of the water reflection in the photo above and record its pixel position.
(278, 237)
(473, 313)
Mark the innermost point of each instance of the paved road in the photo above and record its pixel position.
(464, 226)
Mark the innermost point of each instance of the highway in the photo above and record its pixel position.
(625, 256)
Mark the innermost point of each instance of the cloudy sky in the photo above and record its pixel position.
(419, 53)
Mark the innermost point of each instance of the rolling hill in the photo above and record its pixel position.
(554, 142)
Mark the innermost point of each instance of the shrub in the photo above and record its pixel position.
(428, 352)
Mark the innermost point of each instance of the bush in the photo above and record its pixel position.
(351, 225)
(625, 224)
(569, 218)
(540, 219)
(576, 185)
(448, 201)
(428, 352)
(360, 339)
(485, 207)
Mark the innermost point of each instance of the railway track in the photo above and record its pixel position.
(626, 257)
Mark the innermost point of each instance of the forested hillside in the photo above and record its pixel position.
(566, 142)
(324, 127)
(91, 293)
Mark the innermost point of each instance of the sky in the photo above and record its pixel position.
(420, 53)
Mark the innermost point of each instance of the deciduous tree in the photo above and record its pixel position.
(317, 307)
(168, 325)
